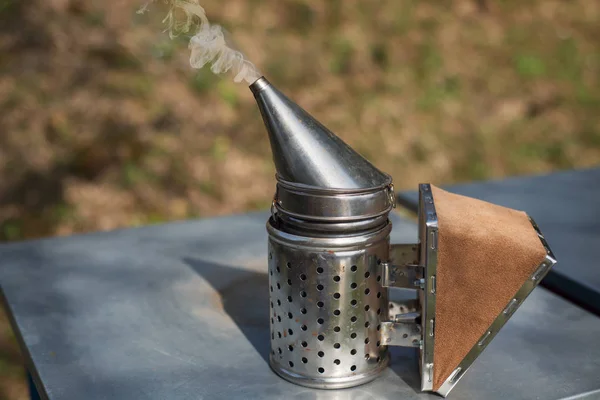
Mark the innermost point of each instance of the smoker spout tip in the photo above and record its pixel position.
(259, 85)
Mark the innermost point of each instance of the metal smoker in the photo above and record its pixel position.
(330, 260)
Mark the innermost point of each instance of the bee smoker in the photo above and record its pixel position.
(330, 261)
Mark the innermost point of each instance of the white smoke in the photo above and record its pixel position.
(208, 45)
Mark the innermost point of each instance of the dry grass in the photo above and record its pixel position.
(103, 125)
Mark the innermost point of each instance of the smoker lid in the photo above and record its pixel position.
(306, 153)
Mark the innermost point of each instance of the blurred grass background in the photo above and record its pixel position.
(104, 125)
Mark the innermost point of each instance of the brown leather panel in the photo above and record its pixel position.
(486, 252)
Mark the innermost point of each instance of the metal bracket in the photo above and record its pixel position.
(403, 269)
(396, 309)
(274, 204)
(392, 195)
(405, 276)
(404, 332)
(404, 253)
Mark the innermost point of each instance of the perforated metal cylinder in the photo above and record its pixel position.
(327, 306)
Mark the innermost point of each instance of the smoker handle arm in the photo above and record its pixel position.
(402, 270)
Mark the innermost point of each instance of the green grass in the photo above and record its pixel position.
(379, 55)
(134, 174)
(11, 229)
(220, 148)
(164, 49)
(228, 92)
(530, 65)
(342, 52)
(95, 18)
(203, 81)
(300, 16)
(139, 86)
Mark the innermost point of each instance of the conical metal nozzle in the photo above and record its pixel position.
(307, 153)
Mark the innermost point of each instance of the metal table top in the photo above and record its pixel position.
(180, 311)
(566, 206)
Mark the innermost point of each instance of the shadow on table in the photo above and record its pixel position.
(245, 298)
(404, 362)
